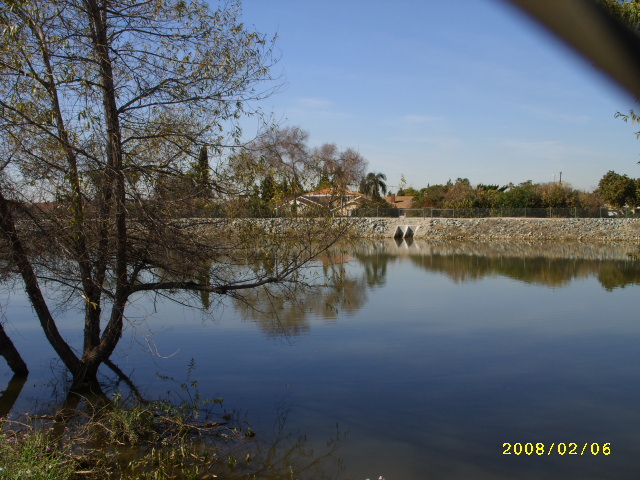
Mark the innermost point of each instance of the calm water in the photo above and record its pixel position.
(424, 360)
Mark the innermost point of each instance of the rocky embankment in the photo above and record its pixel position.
(532, 229)
(583, 229)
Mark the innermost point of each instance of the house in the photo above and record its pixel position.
(333, 200)
(401, 202)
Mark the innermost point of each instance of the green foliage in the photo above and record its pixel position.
(432, 196)
(632, 117)
(144, 440)
(28, 452)
(324, 182)
(200, 174)
(524, 195)
(618, 190)
(462, 195)
(408, 192)
(268, 188)
(627, 11)
(488, 196)
(558, 195)
(482, 186)
(373, 184)
(459, 195)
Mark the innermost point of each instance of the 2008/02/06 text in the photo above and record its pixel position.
(556, 448)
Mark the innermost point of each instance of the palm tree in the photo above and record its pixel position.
(373, 184)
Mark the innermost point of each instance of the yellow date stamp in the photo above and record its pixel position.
(562, 448)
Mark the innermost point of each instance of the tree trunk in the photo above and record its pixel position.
(32, 287)
(11, 354)
(101, 352)
(85, 379)
(92, 291)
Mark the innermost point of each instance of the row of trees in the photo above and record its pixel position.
(267, 173)
(461, 194)
(614, 190)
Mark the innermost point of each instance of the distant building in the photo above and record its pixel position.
(329, 200)
(401, 202)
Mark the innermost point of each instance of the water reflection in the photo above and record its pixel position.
(10, 394)
(549, 264)
(330, 290)
(340, 282)
(431, 355)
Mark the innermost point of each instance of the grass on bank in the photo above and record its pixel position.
(148, 441)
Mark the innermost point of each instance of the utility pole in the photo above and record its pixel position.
(560, 178)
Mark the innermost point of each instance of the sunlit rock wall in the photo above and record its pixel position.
(583, 229)
(607, 229)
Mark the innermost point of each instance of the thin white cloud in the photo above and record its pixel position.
(543, 146)
(554, 116)
(313, 113)
(436, 141)
(420, 119)
(313, 103)
(411, 120)
(530, 144)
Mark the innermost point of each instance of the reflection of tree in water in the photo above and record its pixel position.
(374, 257)
(339, 287)
(282, 455)
(331, 289)
(619, 274)
(375, 267)
(552, 264)
(551, 272)
(9, 395)
(536, 270)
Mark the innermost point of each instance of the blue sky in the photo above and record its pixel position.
(436, 90)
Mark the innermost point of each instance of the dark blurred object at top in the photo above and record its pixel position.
(594, 31)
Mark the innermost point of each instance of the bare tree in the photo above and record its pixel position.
(283, 157)
(285, 152)
(351, 168)
(339, 169)
(326, 159)
(98, 99)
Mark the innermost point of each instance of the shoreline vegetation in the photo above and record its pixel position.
(190, 438)
(113, 440)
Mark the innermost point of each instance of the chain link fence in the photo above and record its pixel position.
(496, 212)
(225, 211)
